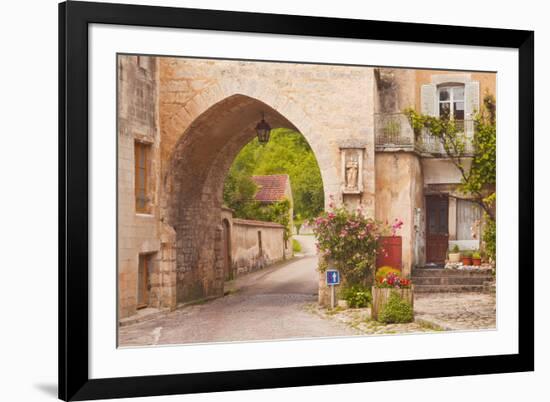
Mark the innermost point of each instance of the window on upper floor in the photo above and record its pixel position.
(142, 167)
(451, 101)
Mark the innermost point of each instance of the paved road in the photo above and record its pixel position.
(268, 304)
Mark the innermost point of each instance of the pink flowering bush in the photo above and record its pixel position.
(349, 239)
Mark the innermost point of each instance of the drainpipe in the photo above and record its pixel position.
(417, 212)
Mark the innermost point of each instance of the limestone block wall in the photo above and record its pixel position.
(399, 192)
(138, 233)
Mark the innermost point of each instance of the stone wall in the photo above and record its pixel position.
(246, 254)
(138, 233)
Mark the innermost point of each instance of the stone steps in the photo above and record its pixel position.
(447, 280)
(441, 272)
(448, 288)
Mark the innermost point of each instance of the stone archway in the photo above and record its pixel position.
(191, 116)
(193, 189)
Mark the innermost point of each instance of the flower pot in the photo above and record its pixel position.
(380, 297)
(466, 260)
(389, 252)
(454, 257)
(476, 261)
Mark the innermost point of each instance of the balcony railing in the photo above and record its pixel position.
(393, 131)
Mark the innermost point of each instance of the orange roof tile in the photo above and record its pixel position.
(271, 187)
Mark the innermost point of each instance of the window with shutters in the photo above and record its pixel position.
(451, 101)
(142, 153)
(457, 98)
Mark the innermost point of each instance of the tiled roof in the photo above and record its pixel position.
(271, 188)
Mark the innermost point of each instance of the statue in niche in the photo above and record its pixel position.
(352, 170)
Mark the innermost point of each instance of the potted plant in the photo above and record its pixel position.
(454, 254)
(476, 259)
(467, 257)
(384, 288)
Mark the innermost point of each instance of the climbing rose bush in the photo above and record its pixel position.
(349, 239)
(395, 226)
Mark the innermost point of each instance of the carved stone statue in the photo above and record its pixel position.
(352, 167)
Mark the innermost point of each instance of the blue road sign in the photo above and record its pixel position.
(333, 277)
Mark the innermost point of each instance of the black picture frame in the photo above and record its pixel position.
(74, 18)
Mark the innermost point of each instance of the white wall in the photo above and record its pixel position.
(29, 235)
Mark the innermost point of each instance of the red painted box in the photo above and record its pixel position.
(389, 252)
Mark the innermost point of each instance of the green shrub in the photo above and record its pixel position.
(455, 249)
(396, 310)
(490, 238)
(357, 296)
(296, 246)
(382, 272)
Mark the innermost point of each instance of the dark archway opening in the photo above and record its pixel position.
(194, 186)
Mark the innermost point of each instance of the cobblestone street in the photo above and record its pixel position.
(433, 312)
(457, 311)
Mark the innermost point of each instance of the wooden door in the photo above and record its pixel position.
(437, 229)
(226, 250)
(143, 282)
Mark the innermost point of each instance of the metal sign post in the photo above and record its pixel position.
(332, 279)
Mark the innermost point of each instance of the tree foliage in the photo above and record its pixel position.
(287, 152)
(476, 163)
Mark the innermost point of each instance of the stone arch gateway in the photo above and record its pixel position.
(195, 115)
(192, 197)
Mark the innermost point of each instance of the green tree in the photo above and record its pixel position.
(287, 152)
(476, 164)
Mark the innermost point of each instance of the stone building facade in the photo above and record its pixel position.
(182, 121)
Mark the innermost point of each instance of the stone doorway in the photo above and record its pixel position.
(226, 250)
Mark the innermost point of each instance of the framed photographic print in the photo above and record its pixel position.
(258, 200)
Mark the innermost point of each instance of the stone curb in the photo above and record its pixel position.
(138, 320)
(428, 323)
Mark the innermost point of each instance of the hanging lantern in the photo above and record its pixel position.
(263, 129)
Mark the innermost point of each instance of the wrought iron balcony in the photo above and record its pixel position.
(393, 132)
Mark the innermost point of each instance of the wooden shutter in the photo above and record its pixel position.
(467, 213)
(141, 176)
(471, 105)
(428, 99)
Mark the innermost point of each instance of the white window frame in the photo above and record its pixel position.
(451, 88)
